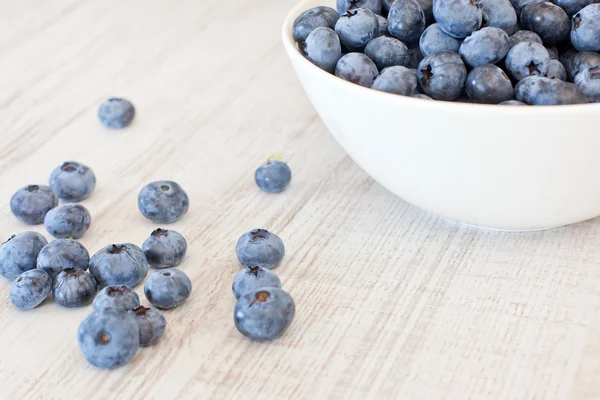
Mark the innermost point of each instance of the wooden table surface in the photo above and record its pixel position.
(392, 302)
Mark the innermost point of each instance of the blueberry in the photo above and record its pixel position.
(252, 278)
(397, 80)
(19, 253)
(585, 31)
(512, 103)
(581, 61)
(524, 36)
(116, 113)
(323, 49)
(312, 19)
(356, 28)
(117, 297)
(74, 287)
(167, 289)
(527, 59)
(165, 248)
(274, 176)
(573, 6)
(109, 338)
(151, 324)
(552, 52)
(261, 248)
(30, 289)
(549, 21)
(357, 68)
(433, 40)
(458, 18)
(538, 91)
(387, 52)
(500, 14)
(488, 84)
(485, 46)
(387, 4)
(406, 21)
(343, 6)
(68, 221)
(427, 7)
(415, 57)
(264, 313)
(442, 75)
(32, 203)
(119, 264)
(61, 254)
(72, 181)
(422, 96)
(556, 70)
(163, 202)
(383, 26)
(588, 81)
(519, 5)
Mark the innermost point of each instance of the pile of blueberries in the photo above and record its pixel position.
(509, 52)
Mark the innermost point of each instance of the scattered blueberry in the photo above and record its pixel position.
(74, 288)
(556, 70)
(387, 52)
(442, 75)
(30, 289)
(61, 254)
(119, 264)
(512, 103)
(458, 18)
(581, 61)
(540, 91)
(519, 5)
(524, 36)
(357, 68)
(434, 40)
(485, 46)
(264, 313)
(165, 248)
(117, 297)
(312, 19)
(552, 52)
(323, 48)
(72, 181)
(261, 248)
(343, 6)
(488, 84)
(585, 31)
(32, 203)
(151, 324)
(499, 14)
(167, 289)
(527, 59)
(356, 28)
(274, 176)
(406, 21)
(19, 253)
(397, 80)
(252, 278)
(383, 26)
(588, 81)
(116, 113)
(163, 202)
(549, 21)
(68, 221)
(109, 338)
(573, 6)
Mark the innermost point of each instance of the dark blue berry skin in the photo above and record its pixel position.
(500, 14)
(30, 289)
(540, 91)
(61, 254)
(116, 113)
(119, 264)
(406, 21)
(323, 48)
(458, 18)
(383, 26)
(574, 6)
(19, 253)
(433, 40)
(343, 6)
(488, 84)
(552, 52)
(167, 289)
(117, 297)
(512, 103)
(274, 176)
(163, 202)
(151, 324)
(549, 21)
(68, 221)
(556, 70)
(309, 20)
(165, 248)
(519, 5)
(442, 75)
(581, 61)
(260, 248)
(74, 288)
(109, 338)
(387, 52)
(585, 31)
(397, 80)
(356, 68)
(387, 4)
(524, 36)
(527, 59)
(356, 28)
(31, 204)
(415, 57)
(72, 181)
(427, 7)
(485, 46)
(264, 313)
(252, 278)
(588, 81)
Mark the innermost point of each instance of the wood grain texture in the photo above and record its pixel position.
(392, 302)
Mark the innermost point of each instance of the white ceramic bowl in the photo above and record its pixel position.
(496, 167)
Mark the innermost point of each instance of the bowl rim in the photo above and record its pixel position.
(294, 53)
